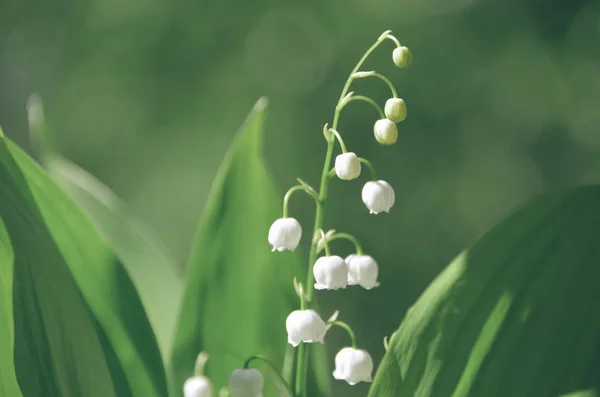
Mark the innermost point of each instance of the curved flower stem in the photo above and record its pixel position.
(346, 236)
(368, 100)
(325, 242)
(340, 140)
(303, 352)
(388, 82)
(200, 364)
(370, 166)
(294, 189)
(348, 329)
(273, 367)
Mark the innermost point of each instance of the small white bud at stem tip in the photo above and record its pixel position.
(378, 196)
(347, 166)
(246, 383)
(353, 366)
(402, 57)
(285, 234)
(395, 110)
(386, 132)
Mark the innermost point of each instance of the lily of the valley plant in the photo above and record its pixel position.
(329, 271)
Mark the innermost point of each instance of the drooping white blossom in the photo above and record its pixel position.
(395, 109)
(305, 326)
(331, 272)
(378, 196)
(347, 166)
(285, 234)
(353, 366)
(198, 386)
(386, 131)
(246, 383)
(402, 57)
(362, 270)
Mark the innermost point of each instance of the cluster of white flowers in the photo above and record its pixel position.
(330, 272)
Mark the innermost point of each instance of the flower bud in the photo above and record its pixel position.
(402, 57)
(395, 109)
(305, 326)
(353, 366)
(362, 270)
(378, 196)
(285, 234)
(331, 272)
(347, 166)
(197, 386)
(246, 383)
(386, 132)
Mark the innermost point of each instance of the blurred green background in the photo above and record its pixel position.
(503, 101)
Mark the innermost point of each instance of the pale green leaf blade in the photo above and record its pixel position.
(514, 315)
(153, 270)
(8, 377)
(80, 328)
(238, 293)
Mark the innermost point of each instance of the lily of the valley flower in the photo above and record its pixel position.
(331, 272)
(402, 57)
(395, 109)
(378, 196)
(305, 326)
(385, 131)
(347, 166)
(246, 383)
(197, 386)
(285, 234)
(353, 366)
(362, 270)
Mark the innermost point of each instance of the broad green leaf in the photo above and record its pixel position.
(80, 328)
(238, 293)
(152, 269)
(514, 315)
(8, 378)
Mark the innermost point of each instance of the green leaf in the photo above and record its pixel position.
(238, 293)
(514, 315)
(152, 269)
(80, 328)
(8, 377)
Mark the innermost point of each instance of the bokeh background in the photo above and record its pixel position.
(503, 102)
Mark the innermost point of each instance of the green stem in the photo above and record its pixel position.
(340, 140)
(349, 237)
(342, 324)
(273, 367)
(370, 166)
(368, 100)
(388, 82)
(303, 352)
(288, 195)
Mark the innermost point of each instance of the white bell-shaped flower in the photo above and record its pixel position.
(347, 166)
(395, 109)
(246, 383)
(197, 386)
(378, 196)
(353, 366)
(362, 270)
(305, 326)
(285, 234)
(385, 131)
(331, 272)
